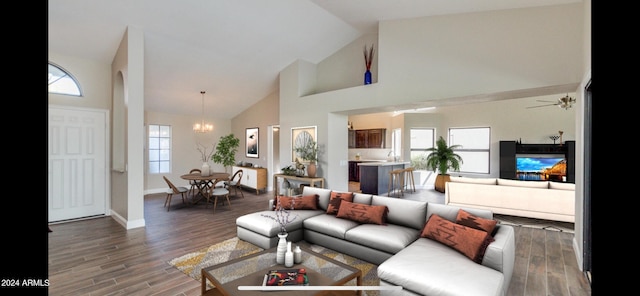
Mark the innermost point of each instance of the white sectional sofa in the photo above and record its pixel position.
(533, 199)
(420, 265)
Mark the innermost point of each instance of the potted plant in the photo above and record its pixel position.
(441, 159)
(309, 153)
(226, 151)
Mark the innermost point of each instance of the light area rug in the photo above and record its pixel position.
(233, 248)
(535, 223)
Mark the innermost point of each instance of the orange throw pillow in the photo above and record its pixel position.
(468, 241)
(362, 213)
(467, 219)
(308, 202)
(336, 199)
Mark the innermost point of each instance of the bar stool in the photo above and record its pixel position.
(396, 183)
(409, 181)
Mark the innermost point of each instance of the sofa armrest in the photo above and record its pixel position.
(501, 253)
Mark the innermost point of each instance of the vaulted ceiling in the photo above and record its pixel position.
(232, 49)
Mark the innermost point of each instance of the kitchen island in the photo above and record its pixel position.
(374, 176)
(354, 168)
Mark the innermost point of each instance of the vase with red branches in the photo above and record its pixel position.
(368, 59)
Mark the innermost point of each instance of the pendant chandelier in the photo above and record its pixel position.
(202, 127)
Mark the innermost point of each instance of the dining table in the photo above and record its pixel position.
(203, 183)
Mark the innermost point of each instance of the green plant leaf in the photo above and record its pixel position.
(309, 152)
(442, 157)
(226, 150)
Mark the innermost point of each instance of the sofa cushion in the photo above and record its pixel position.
(467, 219)
(389, 238)
(323, 195)
(427, 267)
(362, 198)
(329, 225)
(306, 202)
(562, 186)
(276, 200)
(468, 241)
(336, 199)
(528, 184)
(264, 222)
(486, 181)
(363, 213)
(450, 212)
(403, 212)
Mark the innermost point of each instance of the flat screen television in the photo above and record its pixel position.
(541, 167)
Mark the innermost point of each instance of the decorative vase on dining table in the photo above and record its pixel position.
(282, 247)
(204, 171)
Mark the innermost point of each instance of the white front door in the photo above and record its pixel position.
(77, 163)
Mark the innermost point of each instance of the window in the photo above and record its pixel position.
(475, 144)
(421, 140)
(61, 82)
(396, 143)
(159, 149)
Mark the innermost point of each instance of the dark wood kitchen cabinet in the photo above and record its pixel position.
(352, 139)
(354, 171)
(375, 138)
(370, 138)
(361, 138)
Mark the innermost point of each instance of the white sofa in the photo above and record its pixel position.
(533, 199)
(420, 265)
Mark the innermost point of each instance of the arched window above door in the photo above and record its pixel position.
(62, 82)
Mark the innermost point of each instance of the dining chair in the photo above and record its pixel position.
(215, 192)
(195, 184)
(235, 182)
(174, 190)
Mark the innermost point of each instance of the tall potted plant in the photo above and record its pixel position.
(442, 158)
(309, 153)
(226, 151)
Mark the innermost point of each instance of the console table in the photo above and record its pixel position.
(254, 178)
(312, 181)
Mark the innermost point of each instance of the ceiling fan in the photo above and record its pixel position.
(565, 103)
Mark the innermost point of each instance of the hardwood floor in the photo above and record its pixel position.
(100, 257)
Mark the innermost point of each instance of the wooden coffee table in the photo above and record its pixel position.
(250, 270)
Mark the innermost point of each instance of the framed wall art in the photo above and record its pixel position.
(300, 136)
(252, 142)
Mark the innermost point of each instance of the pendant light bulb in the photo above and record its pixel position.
(202, 127)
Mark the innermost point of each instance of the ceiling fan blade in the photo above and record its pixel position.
(542, 106)
(545, 101)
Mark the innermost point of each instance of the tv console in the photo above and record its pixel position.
(509, 150)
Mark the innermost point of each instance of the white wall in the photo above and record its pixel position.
(485, 56)
(127, 188)
(509, 120)
(351, 67)
(94, 79)
(263, 115)
(184, 152)
(434, 60)
(467, 54)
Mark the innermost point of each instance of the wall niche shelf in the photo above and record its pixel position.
(509, 150)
